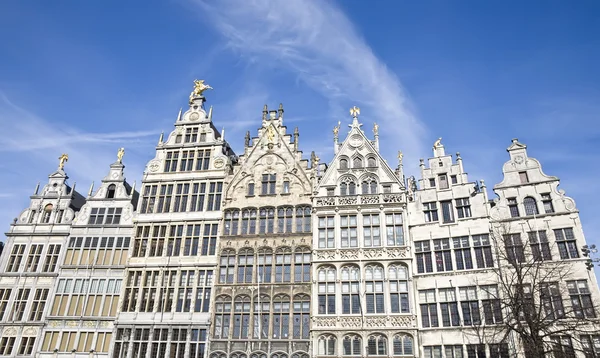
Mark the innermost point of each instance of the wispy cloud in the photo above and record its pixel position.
(322, 48)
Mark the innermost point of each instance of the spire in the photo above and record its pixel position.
(264, 114)
(222, 132)
(280, 111)
(133, 188)
(247, 139)
(210, 114)
(91, 189)
(160, 139)
(37, 189)
(179, 115)
(296, 135)
(355, 112)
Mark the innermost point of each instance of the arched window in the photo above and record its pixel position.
(357, 162)
(265, 265)
(374, 289)
(352, 345)
(267, 220)
(300, 355)
(245, 265)
(369, 185)
(249, 221)
(262, 311)
(403, 345)
(398, 277)
(47, 212)
(283, 265)
(377, 345)
(232, 218)
(301, 326)
(222, 316)
(327, 345)
(110, 191)
(227, 266)
(302, 264)
(285, 219)
(303, 218)
(343, 163)
(238, 355)
(350, 289)
(327, 290)
(530, 206)
(371, 163)
(258, 355)
(216, 354)
(281, 317)
(351, 188)
(241, 317)
(279, 355)
(347, 186)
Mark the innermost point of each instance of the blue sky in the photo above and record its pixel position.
(87, 77)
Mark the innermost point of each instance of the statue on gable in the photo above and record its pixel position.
(199, 88)
(120, 155)
(61, 161)
(270, 134)
(438, 143)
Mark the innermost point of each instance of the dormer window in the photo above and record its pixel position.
(343, 164)
(530, 206)
(268, 184)
(47, 213)
(371, 163)
(357, 163)
(453, 179)
(369, 186)
(110, 192)
(250, 189)
(191, 135)
(443, 181)
(524, 178)
(432, 182)
(347, 187)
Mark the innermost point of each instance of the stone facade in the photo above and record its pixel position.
(270, 255)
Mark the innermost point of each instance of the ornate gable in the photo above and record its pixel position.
(357, 160)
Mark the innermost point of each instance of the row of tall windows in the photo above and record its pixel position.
(265, 265)
(181, 197)
(15, 310)
(371, 229)
(190, 239)
(457, 253)
(449, 212)
(357, 162)
(353, 292)
(187, 160)
(45, 216)
(442, 180)
(168, 291)
(159, 342)
(261, 318)
(33, 258)
(25, 347)
(376, 345)
(267, 220)
(530, 205)
(97, 250)
(539, 245)
(91, 297)
(497, 350)
(105, 216)
(76, 341)
(349, 186)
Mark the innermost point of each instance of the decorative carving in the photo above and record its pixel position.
(325, 202)
(30, 331)
(61, 161)
(199, 88)
(369, 199)
(351, 321)
(376, 321)
(348, 201)
(336, 130)
(9, 331)
(392, 198)
(376, 129)
(153, 166)
(325, 321)
(270, 134)
(354, 111)
(438, 143)
(120, 155)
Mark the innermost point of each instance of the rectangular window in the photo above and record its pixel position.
(566, 242)
(198, 197)
(432, 182)
(16, 255)
(540, 248)
(432, 352)
(113, 216)
(97, 216)
(476, 351)
(4, 296)
(499, 350)
(203, 159)
(551, 300)
(209, 240)
(443, 255)
(429, 316)
(393, 227)
(187, 161)
(326, 232)
(202, 137)
(423, 251)
(191, 135)
(492, 310)
(453, 179)
(268, 184)
(581, 299)
(513, 207)
(7, 345)
(447, 211)
(348, 231)
(523, 177)
(148, 199)
(562, 347)
(483, 250)
(326, 298)
(26, 346)
(37, 306)
(171, 161)
(33, 259)
(449, 307)
(590, 345)
(250, 189)
(462, 253)
(469, 305)
(214, 196)
(514, 248)
(430, 211)
(286, 187)
(330, 191)
(443, 181)
(547, 203)
(463, 208)
(19, 305)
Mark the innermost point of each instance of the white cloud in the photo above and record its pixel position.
(317, 43)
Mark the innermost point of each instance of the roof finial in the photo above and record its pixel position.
(179, 115)
(61, 161)
(354, 112)
(160, 139)
(210, 113)
(280, 110)
(37, 188)
(91, 189)
(120, 155)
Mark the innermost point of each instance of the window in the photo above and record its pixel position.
(46, 214)
(303, 219)
(492, 310)
(285, 218)
(432, 182)
(110, 191)
(476, 351)
(222, 317)
(184, 292)
(205, 282)
(330, 191)
(214, 196)
(202, 137)
(453, 179)
(523, 177)
(227, 266)
(469, 305)
(499, 350)
(387, 189)
(203, 161)
(268, 184)
(148, 199)
(97, 216)
(326, 232)
(301, 319)
(394, 232)
(551, 300)
(371, 162)
(326, 292)
(449, 307)
(443, 255)
(540, 248)
(250, 189)
(429, 316)
(37, 306)
(514, 248)
(281, 317)
(327, 345)
(249, 221)
(181, 197)
(187, 161)
(443, 181)
(283, 265)
(4, 296)
(423, 251)
(171, 162)
(562, 347)
(113, 216)
(547, 203)
(7, 345)
(447, 211)
(430, 211)
(350, 290)
(33, 259)
(566, 242)
(265, 265)
(262, 309)
(369, 186)
(347, 187)
(377, 345)
(241, 317)
(244, 266)
(371, 230)
(403, 345)
(432, 351)
(302, 264)
(398, 284)
(581, 299)
(530, 206)
(32, 216)
(286, 187)
(357, 162)
(16, 255)
(590, 345)
(462, 253)
(231, 220)
(463, 208)
(19, 305)
(266, 220)
(209, 239)
(483, 251)
(343, 164)
(513, 207)
(191, 135)
(26, 346)
(352, 345)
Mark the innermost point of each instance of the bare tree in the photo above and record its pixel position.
(529, 303)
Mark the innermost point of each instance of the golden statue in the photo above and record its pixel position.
(61, 161)
(199, 88)
(400, 156)
(438, 143)
(336, 129)
(270, 134)
(120, 155)
(376, 129)
(354, 111)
